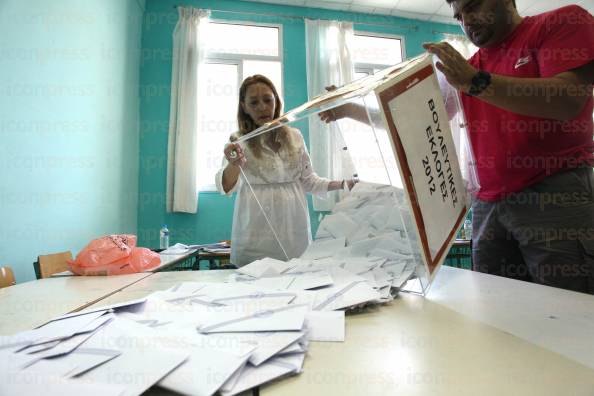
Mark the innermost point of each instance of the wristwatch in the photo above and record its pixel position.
(479, 83)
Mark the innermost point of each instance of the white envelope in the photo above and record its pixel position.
(276, 283)
(308, 280)
(345, 296)
(265, 267)
(288, 318)
(251, 376)
(339, 225)
(395, 269)
(57, 329)
(20, 384)
(267, 344)
(403, 278)
(319, 250)
(295, 347)
(388, 254)
(143, 362)
(75, 363)
(209, 366)
(132, 304)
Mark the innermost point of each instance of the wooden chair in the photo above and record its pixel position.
(52, 263)
(6, 277)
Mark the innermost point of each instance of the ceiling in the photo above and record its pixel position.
(427, 10)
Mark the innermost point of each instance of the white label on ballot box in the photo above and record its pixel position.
(419, 129)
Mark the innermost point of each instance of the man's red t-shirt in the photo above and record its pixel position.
(513, 151)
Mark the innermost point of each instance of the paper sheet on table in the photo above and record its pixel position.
(267, 344)
(319, 250)
(251, 376)
(265, 267)
(143, 360)
(289, 318)
(345, 296)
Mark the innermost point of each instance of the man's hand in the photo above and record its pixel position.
(452, 64)
(331, 115)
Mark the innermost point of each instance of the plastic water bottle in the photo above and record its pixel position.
(164, 237)
(468, 229)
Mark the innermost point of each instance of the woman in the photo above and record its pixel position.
(278, 168)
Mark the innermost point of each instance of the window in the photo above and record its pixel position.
(371, 53)
(236, 51)
(374, 52)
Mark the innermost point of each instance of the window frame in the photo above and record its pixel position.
(237, 60)
(370, 68)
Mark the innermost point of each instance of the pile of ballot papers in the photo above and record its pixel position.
(194, 339)
(200, 338)
(365, 236)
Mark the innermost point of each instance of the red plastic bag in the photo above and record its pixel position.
(113, 255)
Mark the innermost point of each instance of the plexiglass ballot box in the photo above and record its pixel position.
(405, 142)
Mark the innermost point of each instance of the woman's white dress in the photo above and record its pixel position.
(279, 182)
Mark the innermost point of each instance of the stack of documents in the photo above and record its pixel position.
(365, 236)
(194, 339)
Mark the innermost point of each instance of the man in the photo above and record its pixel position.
(527, 96)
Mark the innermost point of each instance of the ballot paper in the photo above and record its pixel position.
(327, 248)
(288, 318)
(347, 295)
(143, 360)
(252, 376)
(325, 326)
(265, 267)
(267, 344)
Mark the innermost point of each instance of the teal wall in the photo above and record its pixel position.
(214, 217)
(69, 72)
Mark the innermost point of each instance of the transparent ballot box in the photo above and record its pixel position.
(398, 141)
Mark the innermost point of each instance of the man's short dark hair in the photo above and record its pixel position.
(451, 1)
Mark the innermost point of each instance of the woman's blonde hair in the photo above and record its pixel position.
(246, 123)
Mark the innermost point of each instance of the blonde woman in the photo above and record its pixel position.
(278, 167)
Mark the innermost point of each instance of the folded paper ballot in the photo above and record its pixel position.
(265, 267)
(143, 359)
(267, 344)
(325, 326)
(288, 318)
(74, 363)
(252, 376)
(345, 296)
(322, 249)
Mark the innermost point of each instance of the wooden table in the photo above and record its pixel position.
(463, 339)
(170, 261)
(30, 304)
(212, 258)
(556, 319)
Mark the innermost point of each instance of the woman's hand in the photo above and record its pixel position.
(351, 183)
(234, 154)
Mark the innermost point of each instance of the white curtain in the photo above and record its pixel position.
(188, 55)
(329, 62)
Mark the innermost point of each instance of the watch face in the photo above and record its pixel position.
(480, 81)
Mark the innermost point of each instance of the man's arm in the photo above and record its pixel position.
(350, 110)
(561, 97)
